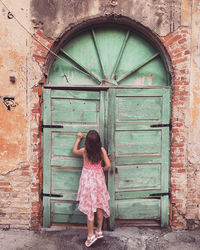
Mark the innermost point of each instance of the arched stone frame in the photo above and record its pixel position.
(166, 46)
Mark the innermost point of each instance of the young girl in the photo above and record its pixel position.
(92, 193)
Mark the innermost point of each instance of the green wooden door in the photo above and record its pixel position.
(139, 144)
(66, 112)
(113, 79)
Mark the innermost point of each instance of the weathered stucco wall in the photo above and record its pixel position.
(193, 197)
(14, 129)
(176, 24)
(55, 16)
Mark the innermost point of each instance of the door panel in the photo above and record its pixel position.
(141, 153)
(137, 142)
(76, 111)
(138, 209)
(145, 109)
(138, 177)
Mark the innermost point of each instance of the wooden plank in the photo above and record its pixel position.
(67, 105)
(138, 209)
(75, 94)
(145, 108)
(46, 106)
(166, 106)
(165, 159)
(62, 218)
(67, 162)
(62, 144)
(140, 92)
(67, 208)
(74, 128)
(137, 223)
(102, 116)
(111, 151)
(138, 142)
(137, 194)
(138, 159)
(76, 87)
(75, 117)
(46, 157)
(138, 177)
(164, 211)
(139, 66)
(65, 180)
(142, 125)
(98, 52)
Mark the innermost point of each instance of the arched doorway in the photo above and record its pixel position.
(113, 79)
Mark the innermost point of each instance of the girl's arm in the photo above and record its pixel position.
(77, 151)
(106, 159)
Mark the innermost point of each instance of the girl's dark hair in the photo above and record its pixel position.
(93, 146)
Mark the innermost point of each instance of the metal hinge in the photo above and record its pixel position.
(51, 195)
(161, 125)
(160, 194)
(51, 126)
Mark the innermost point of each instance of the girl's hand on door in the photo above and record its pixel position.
(79, 136)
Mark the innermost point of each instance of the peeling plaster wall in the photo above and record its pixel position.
(161, 16)
(193, 201)
(14, 113)
(14, 127)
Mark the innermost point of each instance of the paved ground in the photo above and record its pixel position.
(125, 238)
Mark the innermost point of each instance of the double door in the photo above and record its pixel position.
(134, 128)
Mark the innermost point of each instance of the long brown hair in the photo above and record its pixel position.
(93, 146)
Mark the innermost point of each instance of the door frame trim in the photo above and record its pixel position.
(101, 87)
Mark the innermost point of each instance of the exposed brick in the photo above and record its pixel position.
(172, 40)
(4, 183)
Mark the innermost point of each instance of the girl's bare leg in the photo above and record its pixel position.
(99, 219)
(90, 226)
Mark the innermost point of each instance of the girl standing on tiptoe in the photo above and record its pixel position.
(92, 193)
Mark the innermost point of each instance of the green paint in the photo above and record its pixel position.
(110, 53)
(77, 111)
(138, 209)
(137, 97)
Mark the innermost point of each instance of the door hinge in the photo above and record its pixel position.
(51, 195)
(160, 194)
(161, 125)
(51, 126)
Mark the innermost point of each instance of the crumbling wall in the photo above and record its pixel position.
(54, 16)
(193, 145)
(15, 175)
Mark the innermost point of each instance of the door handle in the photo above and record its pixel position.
(112, 171)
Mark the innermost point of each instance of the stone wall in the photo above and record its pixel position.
(175, 23)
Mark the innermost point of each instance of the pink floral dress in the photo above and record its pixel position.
(92, 191)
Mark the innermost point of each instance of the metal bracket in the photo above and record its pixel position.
(51, 195)
(51, 126)
(160, 194)
(161, 125)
